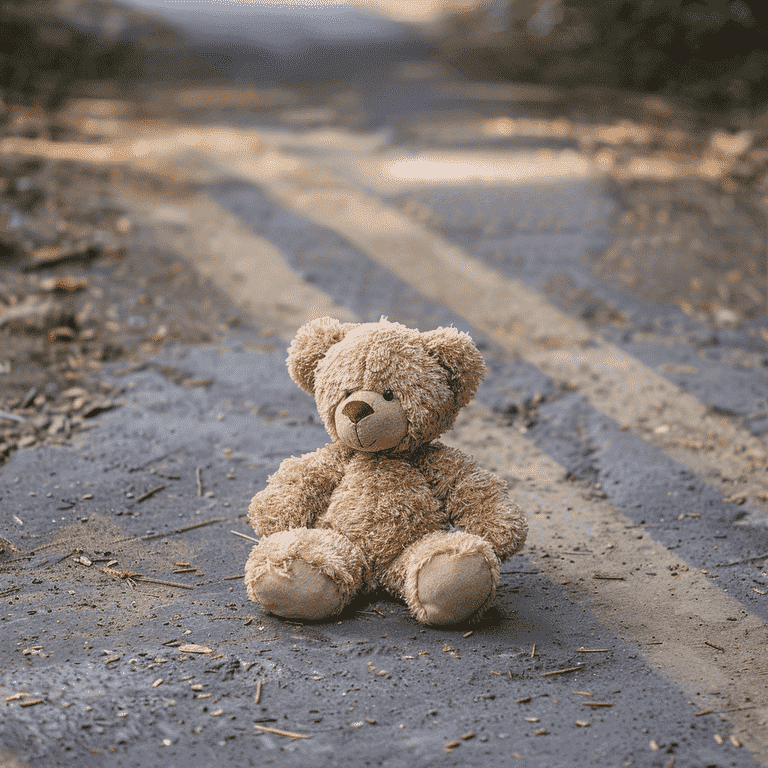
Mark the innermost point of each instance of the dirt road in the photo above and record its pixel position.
(631, 427)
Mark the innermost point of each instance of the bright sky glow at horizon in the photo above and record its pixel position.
(403, 10)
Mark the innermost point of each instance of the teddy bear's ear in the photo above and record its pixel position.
(457, 353)
(309, 345)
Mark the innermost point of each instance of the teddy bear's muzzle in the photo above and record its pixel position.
(366, 421)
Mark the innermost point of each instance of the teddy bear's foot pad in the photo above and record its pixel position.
(305, 594)
(453, 587)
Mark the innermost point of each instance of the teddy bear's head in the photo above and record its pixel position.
(383, 386)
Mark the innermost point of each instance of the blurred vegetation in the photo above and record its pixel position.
(43, 54)
(54, 50)
(712, 52)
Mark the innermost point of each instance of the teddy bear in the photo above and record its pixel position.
(384, 504)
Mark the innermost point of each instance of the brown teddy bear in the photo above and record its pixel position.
(377, 506)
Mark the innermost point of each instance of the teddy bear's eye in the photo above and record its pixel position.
(388, 394)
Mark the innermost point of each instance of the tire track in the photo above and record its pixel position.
(541, 236)
(223, 249)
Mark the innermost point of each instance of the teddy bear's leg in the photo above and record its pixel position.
(304, 573)
(446, 577)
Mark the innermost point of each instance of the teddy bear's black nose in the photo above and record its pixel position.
(356, 410)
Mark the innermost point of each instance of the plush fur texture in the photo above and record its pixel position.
(380, 505)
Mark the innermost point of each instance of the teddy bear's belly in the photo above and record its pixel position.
(383, 505)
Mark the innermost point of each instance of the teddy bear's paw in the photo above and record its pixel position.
(453, 587)
(305, 593)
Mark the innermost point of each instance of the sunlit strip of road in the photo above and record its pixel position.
(392, 170)
(398, 173)
(678, 618)
(224, 250)
(521, 320)
(365, 158)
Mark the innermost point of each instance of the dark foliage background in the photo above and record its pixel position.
(713, 52)
(44, 54)
(52, 50)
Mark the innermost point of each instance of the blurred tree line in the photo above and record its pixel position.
(43, 54)
(53, 50)
(714, 52)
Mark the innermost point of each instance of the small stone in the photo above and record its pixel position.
(194, 648)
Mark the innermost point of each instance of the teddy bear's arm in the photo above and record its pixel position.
(475, 499)
(298, 492)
